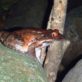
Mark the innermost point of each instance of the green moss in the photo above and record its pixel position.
(16, 67)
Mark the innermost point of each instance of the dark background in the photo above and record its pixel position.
(30, 13)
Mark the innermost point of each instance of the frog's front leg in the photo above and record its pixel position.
(40, 52)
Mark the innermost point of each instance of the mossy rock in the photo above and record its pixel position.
(15, 67)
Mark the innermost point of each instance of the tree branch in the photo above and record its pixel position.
(54, 57)
(57, 16)
(57, 49)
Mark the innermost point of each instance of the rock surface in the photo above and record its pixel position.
(73, 31)
(75, 74)
(15, 67)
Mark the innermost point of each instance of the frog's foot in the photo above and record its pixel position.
(40, 52)
(20, 48)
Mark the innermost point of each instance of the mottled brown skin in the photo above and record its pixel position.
(26, 40)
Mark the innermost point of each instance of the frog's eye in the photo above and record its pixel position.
(55, 34)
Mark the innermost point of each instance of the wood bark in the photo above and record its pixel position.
(56, 49)
(57, 16)
(54, 57)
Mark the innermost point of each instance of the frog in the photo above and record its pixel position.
(29, 40)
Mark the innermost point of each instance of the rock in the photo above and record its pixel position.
(73, 32)
(16, 67)
(75, 74)
(74, 22)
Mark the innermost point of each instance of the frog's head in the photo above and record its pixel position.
(44, 40)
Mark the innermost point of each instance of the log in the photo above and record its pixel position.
(57, 16)
(57, 49)
(54, 57)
